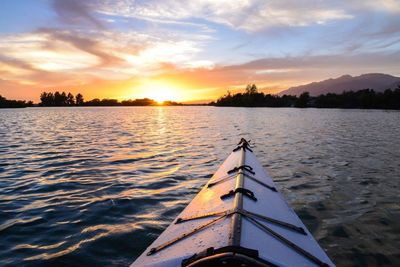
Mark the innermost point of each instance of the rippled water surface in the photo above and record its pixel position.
(95, 186)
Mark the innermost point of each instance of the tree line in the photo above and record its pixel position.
(363, 99)
(5, 103)
(129, 102)
(115, 102)
(251, 97)
(58, 99)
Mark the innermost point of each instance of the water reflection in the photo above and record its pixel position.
(97, 185)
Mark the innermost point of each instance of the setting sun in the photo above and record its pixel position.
(160, 91)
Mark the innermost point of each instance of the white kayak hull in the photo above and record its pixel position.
(238, 217)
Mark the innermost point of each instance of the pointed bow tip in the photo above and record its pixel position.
(243, 143)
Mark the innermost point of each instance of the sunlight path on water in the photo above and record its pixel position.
(95, 186)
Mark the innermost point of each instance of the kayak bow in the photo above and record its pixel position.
(237, 219)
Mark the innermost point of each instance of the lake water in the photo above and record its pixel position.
(95, 186)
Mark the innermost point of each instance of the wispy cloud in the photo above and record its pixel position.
(104, 55)
(247, 15)
(76, 12)
(85, 44)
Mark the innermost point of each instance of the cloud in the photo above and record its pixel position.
(78, 56)
(76, 12)
(31, 49)
(16, 63)
(323, 61)
(88, 45)
(246, 15)
(391, 6)
(277, 74)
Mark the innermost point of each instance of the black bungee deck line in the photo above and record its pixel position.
(241, 190)
(231, 176)
(237, 213)
(242, 167)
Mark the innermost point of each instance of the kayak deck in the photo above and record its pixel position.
(237, 218)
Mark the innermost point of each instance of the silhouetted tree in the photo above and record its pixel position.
(171, 103)
(5, 103)
(70, 99)
(103, 102)
(367, 98)
(63, 99)
(79, 100)
(57, 99)
(93, 102)
(110, 102)
(60, 98)
(251, 89)
(302, 101)
(252, 98)
(47, 99)
(136, 102)
(139, 102)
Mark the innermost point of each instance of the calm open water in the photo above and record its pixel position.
(95, 186)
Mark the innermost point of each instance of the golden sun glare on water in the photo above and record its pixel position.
(160, 91)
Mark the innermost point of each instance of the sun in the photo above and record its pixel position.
(161, 94)
(160, 91)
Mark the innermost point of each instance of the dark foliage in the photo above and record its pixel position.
(62, 99)
(5, 103)
(363, 99)
(171, 103)
(47, 99)
(139, 102)
(70, 100)
(136, 102)
(252, 98)
(58, 99)
(103, 102)
(79, 101)
(303, 100)
(115, 102)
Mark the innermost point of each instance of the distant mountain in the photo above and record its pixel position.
(377, 81)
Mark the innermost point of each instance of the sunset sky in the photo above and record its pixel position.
(190, 50)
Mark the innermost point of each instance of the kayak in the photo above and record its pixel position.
(237, 219)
